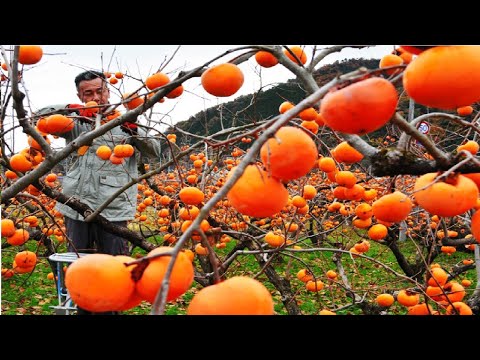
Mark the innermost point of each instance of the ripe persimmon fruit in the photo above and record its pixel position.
(393, 207)
(265, 59)
(20, 163)
(191, 195)
(361, 107)
(222, 80)
(290, 154)
(104, 152)
(345, 153)
(156, 80)
(239, 295)
(447, 198)
(30, 54)
(180, 280)
(256, 193)
(299, 53)
(8, 227)
(58, 123)
(99, 282)
(444, 77)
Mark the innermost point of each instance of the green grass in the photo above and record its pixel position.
(35, 294)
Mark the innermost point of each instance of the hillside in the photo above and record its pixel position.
(265, 105)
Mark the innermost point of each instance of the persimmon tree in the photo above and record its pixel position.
(310, 183)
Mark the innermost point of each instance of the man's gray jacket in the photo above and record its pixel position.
(93, 180)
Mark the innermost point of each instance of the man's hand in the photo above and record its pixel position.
(130, 128)
(79, 109)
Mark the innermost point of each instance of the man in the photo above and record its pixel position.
(93, 180)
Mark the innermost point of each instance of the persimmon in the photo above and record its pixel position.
(455, 291)
(464, 110)
(285, 106)
(30, 54)
(378, 232)
(189, 253)
(222, 80)
(274, 239)
(406, 56)
(447, 198)
(438, 277)
(239, 295)
(475, 226)
(26, 259)
(345, 153)
(58, 123)
(311, 126)
(156, 80)
(181, 277)
(51, 177)
(314, 286)
(123, 150)
(309, 192)
(188, 213)
(326, 312)
(362, 246)
(444, 77)
(34, 144)
(331, 274)
(420, 309)
(115, 159)
(299, 201)
(416, 50)
(191, 195)
(290, 154)
(355, 193)
(20, 163)
(391, 60)
(385, 300)
(174, 93)
(363, 211)
(393, 207)
(22, 270)
(256, 193)
(309, 114)
(299, 53)
(265, 59)
(20, 237)
(304, 275)
(460, 309)
(104, 152)
(361, 107)
(407, 298)
(345, 178)
(304, 210)
(8, 227)
(327, 164)
(135, 299)
(470, 146)
(134, 102)
(10, 174)
(99, 282)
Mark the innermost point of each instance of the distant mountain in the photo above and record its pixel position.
(264, 104)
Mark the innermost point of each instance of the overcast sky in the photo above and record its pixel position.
(51, 81)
